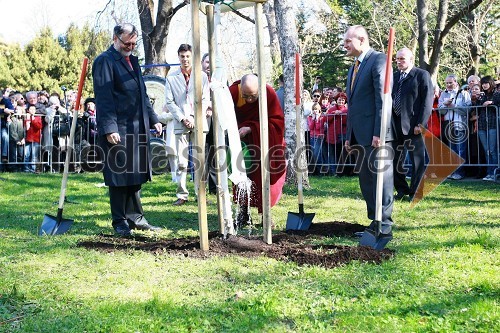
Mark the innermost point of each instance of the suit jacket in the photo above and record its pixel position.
(417, 95)
(123, 107)
(365, 100)
(179, 99)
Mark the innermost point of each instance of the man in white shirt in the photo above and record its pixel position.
(455, 119)
(179, 95)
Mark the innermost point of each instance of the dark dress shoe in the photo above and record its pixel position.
(359, 234)
(179, 202)
(122, 229)
(146, 226)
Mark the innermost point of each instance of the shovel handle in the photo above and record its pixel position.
(298, 130)
(72, 135)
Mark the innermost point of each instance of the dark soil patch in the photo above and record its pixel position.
(296, 246)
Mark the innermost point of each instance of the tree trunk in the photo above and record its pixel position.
(443, 27)
(472, 24)
(423, 38)
(273, 33)
(154, 33)
(289, 46)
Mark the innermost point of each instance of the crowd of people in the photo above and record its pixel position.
(35, 129)
(465, 117)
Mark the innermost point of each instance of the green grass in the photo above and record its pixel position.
(444, 276)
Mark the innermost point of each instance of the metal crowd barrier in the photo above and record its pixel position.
(48, 155)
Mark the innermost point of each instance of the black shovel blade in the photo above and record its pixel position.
(299, 221)
(51, 226)
(371, 239)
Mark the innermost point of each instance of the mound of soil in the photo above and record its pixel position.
(296, 246)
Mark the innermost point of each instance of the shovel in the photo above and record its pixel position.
(375, 238)
(300, 220)
(56, 225)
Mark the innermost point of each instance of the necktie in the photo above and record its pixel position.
(354, 72)
(397, 100)
(127, 59)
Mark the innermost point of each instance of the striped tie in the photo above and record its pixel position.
(397, 99)
(354, 72)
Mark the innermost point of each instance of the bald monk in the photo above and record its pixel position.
(245, 94)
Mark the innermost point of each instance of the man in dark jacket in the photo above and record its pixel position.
(124, 119)
(412, 95)
(365, 92)
(6, 110)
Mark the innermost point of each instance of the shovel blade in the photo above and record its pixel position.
(371, 239)
(51, 226)
(299, 221)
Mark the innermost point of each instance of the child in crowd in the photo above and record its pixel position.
(316, 123)
(33, 125)
(336, 129)
(324, 103)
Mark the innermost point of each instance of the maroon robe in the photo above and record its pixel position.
(247, 115)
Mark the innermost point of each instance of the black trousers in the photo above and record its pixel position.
(125, 202)
(415, 146)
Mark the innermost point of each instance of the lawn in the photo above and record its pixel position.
(444, 276)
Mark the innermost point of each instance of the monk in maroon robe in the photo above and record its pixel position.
(245, 97)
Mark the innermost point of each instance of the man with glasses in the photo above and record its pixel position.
(455, 120)
(245, 94)
(124, 119)
(316, 96)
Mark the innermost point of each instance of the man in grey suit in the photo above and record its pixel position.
(412, 95)
(365, 90)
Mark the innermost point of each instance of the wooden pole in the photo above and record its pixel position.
(199, 147)
(215, 114)
(264, 127)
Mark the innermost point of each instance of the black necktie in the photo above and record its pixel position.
(397, 100)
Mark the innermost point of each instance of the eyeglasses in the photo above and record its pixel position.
(449, 82)
(128, 44)
(316, 96)
(245, 96)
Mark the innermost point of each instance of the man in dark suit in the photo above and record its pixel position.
(412, 95)
(365, 90)
(124, 119)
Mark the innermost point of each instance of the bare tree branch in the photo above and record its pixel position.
(243, 16)
(458, 16)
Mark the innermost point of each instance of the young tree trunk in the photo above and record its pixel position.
(155, 32)
(289, 46)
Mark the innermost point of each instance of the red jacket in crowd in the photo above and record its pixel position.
(34, 130)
